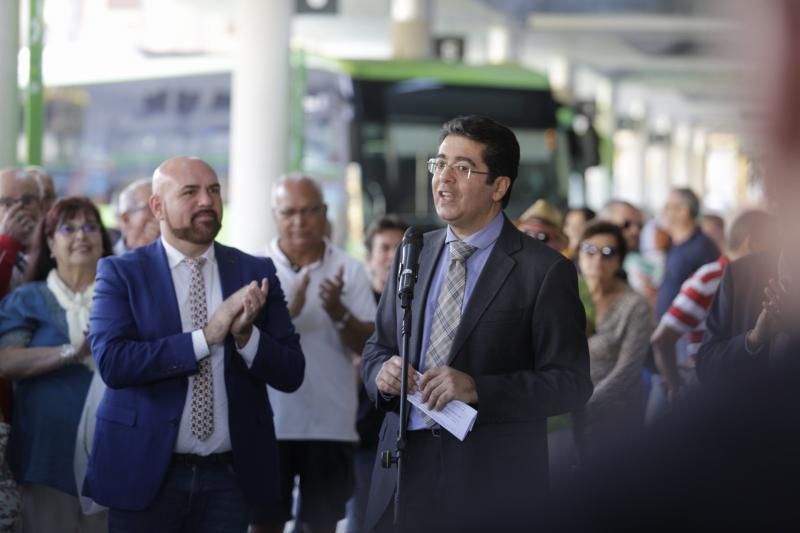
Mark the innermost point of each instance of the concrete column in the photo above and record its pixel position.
(259, 120)
(9, 87)
(411, 29)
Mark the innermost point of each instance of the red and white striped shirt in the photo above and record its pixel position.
(689, 309)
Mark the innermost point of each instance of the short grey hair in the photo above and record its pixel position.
(690, 199)
(294, 177)
(125, 200)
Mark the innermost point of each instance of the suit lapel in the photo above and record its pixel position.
(155, 259)
(228, 273)
(494, 274)
(431, 250)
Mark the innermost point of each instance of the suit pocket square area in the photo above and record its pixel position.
(116, 413)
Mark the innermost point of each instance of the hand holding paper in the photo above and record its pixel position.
(456, 416)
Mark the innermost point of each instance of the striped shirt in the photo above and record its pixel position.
(688, 311)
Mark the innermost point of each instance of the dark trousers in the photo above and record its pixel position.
(193, 499)
(363, 463)
(424, 505)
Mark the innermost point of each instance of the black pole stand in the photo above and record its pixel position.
(388, 458)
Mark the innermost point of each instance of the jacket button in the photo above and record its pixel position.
(174, 422)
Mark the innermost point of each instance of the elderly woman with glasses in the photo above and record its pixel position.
(44, 350)
(618, 347)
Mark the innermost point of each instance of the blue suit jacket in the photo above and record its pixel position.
(144, 359)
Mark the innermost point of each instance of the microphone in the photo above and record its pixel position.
(410, 249)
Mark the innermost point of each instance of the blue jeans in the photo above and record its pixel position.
(196, 499)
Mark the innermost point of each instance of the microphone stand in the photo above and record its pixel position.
(388, 458)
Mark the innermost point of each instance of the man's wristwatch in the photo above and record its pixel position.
(68, 352)
(342, 322)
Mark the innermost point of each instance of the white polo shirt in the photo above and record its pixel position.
(324, 407)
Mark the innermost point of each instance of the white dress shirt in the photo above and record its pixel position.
(220, 439)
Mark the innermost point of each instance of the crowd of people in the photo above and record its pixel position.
(165, 382)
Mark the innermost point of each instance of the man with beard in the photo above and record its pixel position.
(186, 333)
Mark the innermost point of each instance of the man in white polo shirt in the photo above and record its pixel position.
(332, 307)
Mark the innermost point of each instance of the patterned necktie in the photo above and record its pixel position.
(202, 382)
(447, 315)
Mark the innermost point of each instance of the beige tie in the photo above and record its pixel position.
(447, 315)
(202, 383)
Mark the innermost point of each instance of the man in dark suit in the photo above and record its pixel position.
(186, 333)
(497, 323)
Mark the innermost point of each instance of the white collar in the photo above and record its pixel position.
(277, 253)
(175, 257)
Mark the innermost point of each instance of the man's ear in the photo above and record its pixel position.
(501, 185)
(157, 207)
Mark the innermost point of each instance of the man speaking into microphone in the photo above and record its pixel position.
(497, 324)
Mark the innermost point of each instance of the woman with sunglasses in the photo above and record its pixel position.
(44, 350)
(619, 345)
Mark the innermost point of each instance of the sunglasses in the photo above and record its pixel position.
(605, 251)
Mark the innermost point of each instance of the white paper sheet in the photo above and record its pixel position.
(457, 417)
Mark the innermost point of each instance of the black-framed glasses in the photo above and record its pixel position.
(461, 169)
(88, 228)
(605, 251)
(26, 200)
(290, 212)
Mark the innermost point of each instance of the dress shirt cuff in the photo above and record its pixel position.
(249, 350)
(200, 345)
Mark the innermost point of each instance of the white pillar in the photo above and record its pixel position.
(259, 120)
(9, 88)
(411, 29)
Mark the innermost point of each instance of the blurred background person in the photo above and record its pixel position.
(752, 232)
(575, 223)
(44, 350)
(333, 309)
(640, 270)
(689, 249)
(713, 227)
(20, 211)
(618, 347)
(543, 221)
(46, 186)
(137, 224)
(383, 237)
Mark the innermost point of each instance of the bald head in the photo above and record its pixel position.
(300, 211)
(177, 170)
(296, 183)
(187, 202)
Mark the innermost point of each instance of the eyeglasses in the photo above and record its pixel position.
(290, 212)
(68, 230)
(462, 170)
(605, 251)
(26, 200)
(630, 223)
